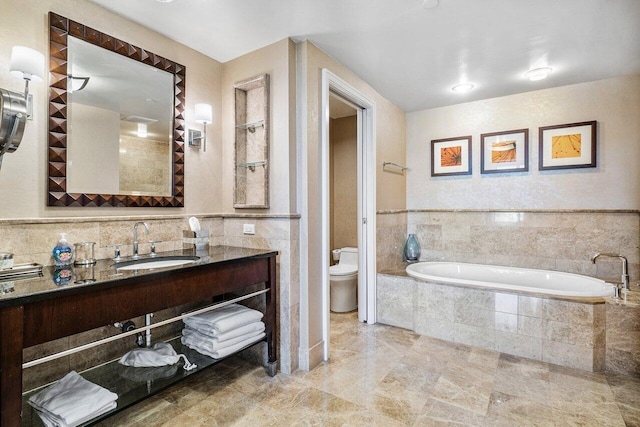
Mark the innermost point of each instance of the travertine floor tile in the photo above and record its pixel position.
(385, 376)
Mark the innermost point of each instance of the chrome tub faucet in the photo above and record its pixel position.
(625, 272)
(135, 236)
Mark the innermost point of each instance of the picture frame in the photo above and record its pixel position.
(568, 146)
(506, 151)
(451, 156)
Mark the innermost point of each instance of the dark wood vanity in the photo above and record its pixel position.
(39, 311)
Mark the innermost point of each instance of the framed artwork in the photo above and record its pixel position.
(504, 151)
(451, 156)
(568, 146)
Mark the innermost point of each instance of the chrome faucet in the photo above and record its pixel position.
(135, 236)
(625, 273)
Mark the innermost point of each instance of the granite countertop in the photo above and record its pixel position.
(56, 281)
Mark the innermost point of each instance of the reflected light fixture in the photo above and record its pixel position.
(142, 130)
(204, 115)
(463, 87)
(76, 84)
(538, 73)
(14, 106)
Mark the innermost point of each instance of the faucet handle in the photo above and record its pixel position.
(116, 251)
(153, 247)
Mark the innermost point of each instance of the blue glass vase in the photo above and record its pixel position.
(411, 252)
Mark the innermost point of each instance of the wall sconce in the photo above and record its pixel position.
(204, 115)
(14, 107)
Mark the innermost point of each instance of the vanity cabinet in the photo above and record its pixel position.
(30, 318)
(252, 143)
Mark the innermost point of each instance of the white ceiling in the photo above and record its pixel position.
(412, 55)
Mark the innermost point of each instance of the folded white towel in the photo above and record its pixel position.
(224, 352)
(238, 332)
(213, 345)
(224, 319)
(162, 354)
(71, 401)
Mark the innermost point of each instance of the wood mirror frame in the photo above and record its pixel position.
(59, 29)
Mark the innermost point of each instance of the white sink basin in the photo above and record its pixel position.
(158, 262)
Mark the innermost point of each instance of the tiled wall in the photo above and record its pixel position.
(556, 331)
(32, 241)
(562, 240)
(623, 338)
(391, 233)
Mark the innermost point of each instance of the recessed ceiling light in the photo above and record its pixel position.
(430, 4)
(538, 73)
(164, 1)
(463, 87)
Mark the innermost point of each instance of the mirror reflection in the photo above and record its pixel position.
(120, 123)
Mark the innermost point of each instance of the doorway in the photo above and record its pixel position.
(332, 85)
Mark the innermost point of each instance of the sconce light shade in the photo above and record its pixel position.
(203, 113)
(27, 63)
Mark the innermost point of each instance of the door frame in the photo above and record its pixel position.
(366, 141)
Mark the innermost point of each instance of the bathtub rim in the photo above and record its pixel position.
(521, 290)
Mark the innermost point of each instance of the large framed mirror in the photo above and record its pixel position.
(116, 121)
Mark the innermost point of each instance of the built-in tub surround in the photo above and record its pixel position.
(526, 280)
(561, 331)
(548, 240)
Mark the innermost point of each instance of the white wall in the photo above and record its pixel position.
(613, 184)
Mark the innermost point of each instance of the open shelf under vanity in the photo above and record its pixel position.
(133, 385)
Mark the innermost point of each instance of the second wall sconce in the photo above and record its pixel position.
(14, 106)
(204, 115)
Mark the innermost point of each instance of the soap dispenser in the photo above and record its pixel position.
(62, 253)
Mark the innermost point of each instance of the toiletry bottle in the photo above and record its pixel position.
(62, 253)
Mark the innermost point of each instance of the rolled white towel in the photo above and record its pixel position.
(238, 332)
(212, 345)
(71, 401)
(224, 352)
(224, 319)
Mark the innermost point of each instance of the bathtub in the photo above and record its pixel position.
(510, 278)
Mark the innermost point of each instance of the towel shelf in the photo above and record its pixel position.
(395, 165)
(80, 348)
(252, 165)
(251, 127)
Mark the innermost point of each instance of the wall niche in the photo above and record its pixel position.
(252, 143)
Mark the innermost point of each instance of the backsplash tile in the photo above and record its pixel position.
(561, 241)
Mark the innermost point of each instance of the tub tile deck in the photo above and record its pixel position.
(386, 376)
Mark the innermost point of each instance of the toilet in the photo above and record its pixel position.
(343, 279)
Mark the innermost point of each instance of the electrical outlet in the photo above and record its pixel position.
(249, 228)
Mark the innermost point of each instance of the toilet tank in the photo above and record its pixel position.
(349, 256)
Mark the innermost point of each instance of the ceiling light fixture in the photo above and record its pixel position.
(463, 87)
(142, 130)
(430, 4)
(538, 73)
(164, 1)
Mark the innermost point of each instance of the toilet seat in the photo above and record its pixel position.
(342, 270)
